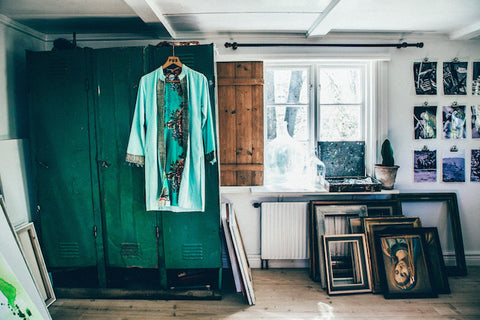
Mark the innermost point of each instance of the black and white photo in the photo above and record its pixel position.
(453, 166)
(425, 77)
(475, 166)
(454, 122)
(425, 122)
(476, 122)
(425, 166)
(476, 79)
(455, 78)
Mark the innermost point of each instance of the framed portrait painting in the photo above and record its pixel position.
(404, 266)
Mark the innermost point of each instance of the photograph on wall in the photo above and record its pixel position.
(425, 122)
(475, 165)
(453, 165)
(476, 122)
(425, 166)
(454, 122)
(455, 78)
(476, 79)
(425, 77)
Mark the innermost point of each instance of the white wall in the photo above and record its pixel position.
(14, 40)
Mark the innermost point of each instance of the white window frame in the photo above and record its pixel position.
(374, 120)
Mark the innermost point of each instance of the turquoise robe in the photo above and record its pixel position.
(147, 145)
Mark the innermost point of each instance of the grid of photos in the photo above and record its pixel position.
(453, 124)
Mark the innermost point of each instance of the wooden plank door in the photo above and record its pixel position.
(130, 232)
(240, 105)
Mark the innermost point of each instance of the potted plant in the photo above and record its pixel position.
(387, 171)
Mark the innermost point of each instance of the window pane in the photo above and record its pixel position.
(296, 118)
(287, 86)
(340, 123)
(340, 85)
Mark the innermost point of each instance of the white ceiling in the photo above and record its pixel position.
(194, 20)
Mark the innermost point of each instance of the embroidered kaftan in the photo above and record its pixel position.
(172, 131)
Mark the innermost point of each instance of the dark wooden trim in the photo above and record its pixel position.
(460, 269)
(96, 293)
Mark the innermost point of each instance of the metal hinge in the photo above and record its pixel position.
(95, 231)
(157, 232)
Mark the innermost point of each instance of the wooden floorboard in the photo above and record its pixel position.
(285, 294)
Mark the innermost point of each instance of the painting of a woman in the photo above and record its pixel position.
(405, 267)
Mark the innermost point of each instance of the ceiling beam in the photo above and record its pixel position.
(150, 13)
(466, 33)
(315, 27)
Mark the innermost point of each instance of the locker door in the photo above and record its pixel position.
(60, 107)
(130, 231)
(192, 240)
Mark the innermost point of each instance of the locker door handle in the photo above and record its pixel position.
(104, 164)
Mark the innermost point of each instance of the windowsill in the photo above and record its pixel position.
(262, 190)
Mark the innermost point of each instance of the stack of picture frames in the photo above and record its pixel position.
(242, 274)
(369, 246)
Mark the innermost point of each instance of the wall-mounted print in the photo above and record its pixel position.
(425, 166)
(455, 78)
(425, 77)
(425, 122)
(475, 165)
(404, 267)
(454, 122)
(476, 79)
(476, 122)
(453, 165)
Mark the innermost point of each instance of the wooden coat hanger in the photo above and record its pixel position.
(172, 61)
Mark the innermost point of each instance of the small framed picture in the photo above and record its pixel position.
(404, 266)
(28, 241)
(350, 272)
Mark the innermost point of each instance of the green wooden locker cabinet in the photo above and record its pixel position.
(81, 114)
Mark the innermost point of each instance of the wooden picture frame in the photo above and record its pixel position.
(434, 255)
(460, 269)
(359, 279)
(404, 266)
(372, 225)
(28, 241)
(321, 212)
(241, 255)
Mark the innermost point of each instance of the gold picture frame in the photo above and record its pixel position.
(372, 225)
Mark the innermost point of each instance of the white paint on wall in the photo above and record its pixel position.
(13, 80)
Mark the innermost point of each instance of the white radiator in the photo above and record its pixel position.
(284, 232)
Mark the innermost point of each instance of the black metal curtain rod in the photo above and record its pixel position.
(235, 45)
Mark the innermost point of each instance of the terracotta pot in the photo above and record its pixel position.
(386, 175)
